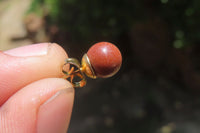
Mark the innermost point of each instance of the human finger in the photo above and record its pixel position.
(43, 106)
(21, 66)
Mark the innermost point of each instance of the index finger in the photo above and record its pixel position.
(21, 66)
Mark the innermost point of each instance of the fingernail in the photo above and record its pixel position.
(54, 115)
(30, 50)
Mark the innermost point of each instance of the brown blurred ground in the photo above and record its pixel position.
(9, 30)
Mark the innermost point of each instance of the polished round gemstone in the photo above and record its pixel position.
(105, 58)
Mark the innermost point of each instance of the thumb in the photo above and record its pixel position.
(44, 106)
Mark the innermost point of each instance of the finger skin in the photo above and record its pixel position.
(43, 106)
(17, 72)
(54, 117)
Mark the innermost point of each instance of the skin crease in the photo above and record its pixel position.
(33, 97)
(105, 59)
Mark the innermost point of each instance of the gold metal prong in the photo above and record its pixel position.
(87, 67)
(72, 72)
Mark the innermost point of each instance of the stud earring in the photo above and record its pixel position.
(102, 60)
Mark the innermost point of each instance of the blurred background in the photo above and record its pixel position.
(158, 87)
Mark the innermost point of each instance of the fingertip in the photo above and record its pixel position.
(39, 105)
(54, 115)
(19, 69)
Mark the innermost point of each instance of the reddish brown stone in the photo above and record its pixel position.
(105, 59)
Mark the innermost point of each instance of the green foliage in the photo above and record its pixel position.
(182, 18)
(36, 7)
(85, 19)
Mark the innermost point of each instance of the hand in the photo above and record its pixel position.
(33, 97)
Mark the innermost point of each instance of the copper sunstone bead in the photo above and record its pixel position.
(105, 59)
